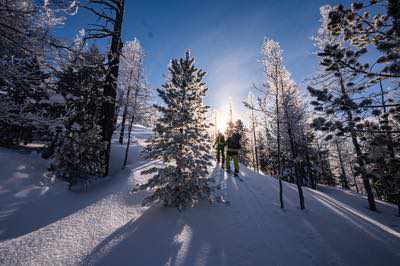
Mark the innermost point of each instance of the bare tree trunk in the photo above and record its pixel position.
(130, 128)
(309, 169)
(128, 143)
(253, 156)
(299, 178)
(398, 203)
(367, 185)
(360, 159)
(124, 115)
(135, 102)
(278, 137)
(108, 109)
(256, 166)
(354, 177)
(321, 162)
(345, 184)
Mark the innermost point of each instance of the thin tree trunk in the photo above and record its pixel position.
(299, 180)
(321, 162)
(253, 156)
(360, 160)
(124, 115)
(361, 163)
(255, 141)
(354, 177)
(398, 203)
(309, 169)
(130, 126)
(278, 137)
(345, 184)
(129, 141)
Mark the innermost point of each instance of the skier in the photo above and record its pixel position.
(232, 153)
(219, 145)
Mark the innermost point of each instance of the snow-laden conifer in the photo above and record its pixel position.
(181, 139)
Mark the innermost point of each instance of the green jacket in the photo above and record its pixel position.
(219, 142)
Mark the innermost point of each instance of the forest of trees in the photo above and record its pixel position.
(67, 95)
(342, 128)
(350, 137)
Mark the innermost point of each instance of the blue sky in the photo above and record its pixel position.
(225, 36)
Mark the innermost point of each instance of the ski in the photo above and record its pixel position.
(238, 178)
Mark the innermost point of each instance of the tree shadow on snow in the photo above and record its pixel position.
(203, 235)
(22, 215)
(164, 236)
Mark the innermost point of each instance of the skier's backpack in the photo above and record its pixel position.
(234, 141)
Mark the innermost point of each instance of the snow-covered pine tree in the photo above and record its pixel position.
(79, 147)
(111, 15)
(25, 52)
(340, 95)
(181, 139)
(371, 30)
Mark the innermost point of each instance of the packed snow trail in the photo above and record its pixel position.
(108, 226)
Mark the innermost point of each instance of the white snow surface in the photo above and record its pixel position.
(48, 225)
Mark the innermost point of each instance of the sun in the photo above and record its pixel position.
(222, 121)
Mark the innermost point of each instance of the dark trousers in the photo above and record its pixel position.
(220, 155)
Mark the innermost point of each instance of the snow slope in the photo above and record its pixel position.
(107, 226)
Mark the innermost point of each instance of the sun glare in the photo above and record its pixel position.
(223, 115)
(222, 120)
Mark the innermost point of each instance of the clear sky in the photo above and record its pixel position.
(225, 36)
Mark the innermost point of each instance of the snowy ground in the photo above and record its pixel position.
(48, 225)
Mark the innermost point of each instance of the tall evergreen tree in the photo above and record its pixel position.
(340, 95)
(79, 147)
(181, 139)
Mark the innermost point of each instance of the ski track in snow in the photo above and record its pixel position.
(108, 226)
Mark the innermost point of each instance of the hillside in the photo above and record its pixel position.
(46, 224)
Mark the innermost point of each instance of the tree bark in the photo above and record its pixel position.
(130, 126)
(278, 139)
(299, 179)
(110, 87)
(360, 160)
(354, 177)
(128, 143)
(255, 141)
(124, 115)
(344, 181)
(309, 169)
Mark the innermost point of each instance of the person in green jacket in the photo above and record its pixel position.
(232, 152)
(219, 145)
